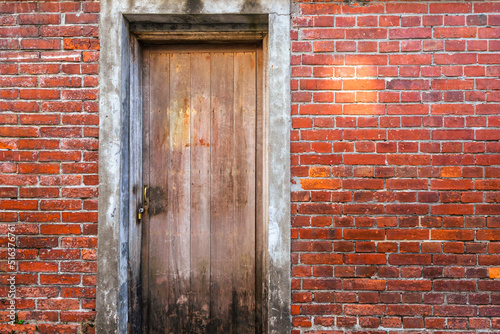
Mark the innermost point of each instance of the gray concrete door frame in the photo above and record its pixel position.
(123, 25)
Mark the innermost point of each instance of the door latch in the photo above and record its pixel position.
(145, 202)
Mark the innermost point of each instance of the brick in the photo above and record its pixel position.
(362, 184)
(39, 94)
(366, 33)
(407, 209)
(365, 309)
(50, 7)
(488, 209)
(80, 44)
(372, 9)
(366, 60)
(460, 32)
(369, 84)
(46, 44)
(400, 159)
(319, 209)
(406, 8)
(364, 284)
(488, 59)
(409, 285)
(81, 18)
(322, 59)
(403, 234)
(407, 85)
(364, 109)
(18, 205)
(454, 310)
(78, 316)
(365, 259)
(407, 259)
(321, 284)
(409, 134)
(453, 286)
(28, 168)
(418, 59)
(321, 109)
(451, 84)
(410, 33)
(450, 8)
(54, 304)
(364, 234)
(38, 267)
(487, 184)
(60, 229)
(308, 184)
(321, 259)
(321, 309)
(38, 242)
(451, 184)
(452, 235)
(320, 84)
(321, 135)
(60, 56)
(319, 9)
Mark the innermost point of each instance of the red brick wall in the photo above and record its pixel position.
(394, 160)
(48, 161)
(395, 167)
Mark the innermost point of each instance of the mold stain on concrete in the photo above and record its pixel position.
(251, 6)
(193, 6)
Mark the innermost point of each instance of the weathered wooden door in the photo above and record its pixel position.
(199, 250)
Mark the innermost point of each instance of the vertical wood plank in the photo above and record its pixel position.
(200, 192)
(222, 197)
(159, 240)
(179, 199)
(260, 235)
(136, 180)
(145, 180)
(244, 192)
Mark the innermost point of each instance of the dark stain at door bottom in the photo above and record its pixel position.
(184, 315)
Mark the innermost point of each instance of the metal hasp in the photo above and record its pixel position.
(145, 202)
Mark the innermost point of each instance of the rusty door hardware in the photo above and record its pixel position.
(145, 202)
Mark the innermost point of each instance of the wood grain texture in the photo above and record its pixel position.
(260, 200)
(244, 192)
(179, 197)
(200, 191)
(222, 209)
(159, 155)
(144, 256)
(202, 155)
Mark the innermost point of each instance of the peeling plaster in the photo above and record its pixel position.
(296, 185)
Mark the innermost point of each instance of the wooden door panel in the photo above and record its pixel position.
(244, 191)
(222, 185)
(201, 255)
(179, 201)
(200, 191)
(159, 155)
